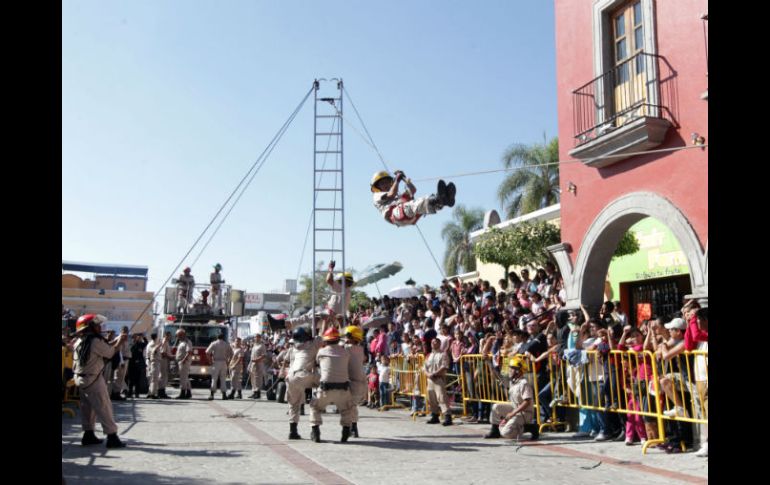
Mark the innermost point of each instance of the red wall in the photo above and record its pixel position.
(682, 176)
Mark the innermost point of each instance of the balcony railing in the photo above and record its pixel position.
(627, 92)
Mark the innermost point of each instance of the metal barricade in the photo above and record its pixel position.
(406, 378)
(684, 382)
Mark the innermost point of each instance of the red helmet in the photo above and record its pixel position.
(85, 321)
(331, 334)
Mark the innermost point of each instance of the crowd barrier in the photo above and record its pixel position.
(407, 380)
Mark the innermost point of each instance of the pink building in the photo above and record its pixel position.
(631, 77)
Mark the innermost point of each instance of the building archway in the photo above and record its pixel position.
(586, 283)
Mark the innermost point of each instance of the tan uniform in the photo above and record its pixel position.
(120, 379)
(220, 353)
(94, 398)
(164, 364)
(216, 290)
(518, 391)
(236, 370)
(153, 366)
(358, 381)
(335, 304)
(437, 395)
(335, 366)
(185, 285)
(410, 207)
(257, 368)
(301, 375)
(184, 359)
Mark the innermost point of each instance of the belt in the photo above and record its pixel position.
(330, 386)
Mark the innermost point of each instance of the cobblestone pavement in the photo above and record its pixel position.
(244, 442)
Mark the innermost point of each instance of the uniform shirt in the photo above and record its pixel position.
(303, 355)
(259, 350)
(186, 283)
(216, 280)
(220, 349)
(183, 348)
(435, 362)
(100, 350)
(382, 203)
(334, 361)
(357, 359)
(125, 350)
(153, 351)
(334, 303)
(237, 360)
(518, 391)
(164, 349)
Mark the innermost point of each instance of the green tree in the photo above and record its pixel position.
(629, 244)
(457, 235)
(530, 187)
(521, 245)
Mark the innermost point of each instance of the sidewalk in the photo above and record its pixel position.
(244, 442)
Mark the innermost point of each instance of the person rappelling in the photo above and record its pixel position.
(404, 209)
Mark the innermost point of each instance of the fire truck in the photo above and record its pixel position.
(202, 323)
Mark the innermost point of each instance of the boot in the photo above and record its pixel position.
(301, 409)
(211, 396)
(433, 419)
(224, 396)
(89, 438)
(494, 432)
(240, 396)
(534, 429)
(315, 434)
(451, 190)
(345, 434)
(447, 420)
(232, 394)
(254, 396)
(293, 434)
(189, 394)
(182, 394)
(258, 394)
(354, 430)
(441, 193)
(162, 394)
(114, 442)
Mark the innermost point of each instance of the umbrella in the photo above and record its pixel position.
(375, 322)
(378, 272)
(404, 292)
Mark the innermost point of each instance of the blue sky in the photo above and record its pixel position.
(166, 105)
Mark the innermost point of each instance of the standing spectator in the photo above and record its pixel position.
(165, 358)
(236, 370)
(136, 366)
(373, 380)
(383, 369)
(153, 365)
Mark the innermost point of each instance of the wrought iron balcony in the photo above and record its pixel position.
(620, 111)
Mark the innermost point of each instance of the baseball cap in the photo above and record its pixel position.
(676, 323)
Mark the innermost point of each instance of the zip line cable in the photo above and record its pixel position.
(221, 208)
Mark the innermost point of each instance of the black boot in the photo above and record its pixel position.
(534, 429)
(182, 394)
(354, 430)
(451, 190)
(232, 394)
(224, 396)
(494, 432)
(258, 394)
(89, 438)
(240, 396)
(253, 395)
(315, 434)
(189, 394)
(162, 394)
(345, 434)
(211, 396)
(447, 420)
(433, 419)
(114, 442)
(293, 434)
(441, 193)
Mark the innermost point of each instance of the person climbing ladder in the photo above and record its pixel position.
(405, 210)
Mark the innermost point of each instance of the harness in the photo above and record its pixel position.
(396, 214)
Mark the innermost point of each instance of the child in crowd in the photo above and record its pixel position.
(383, 369)
(374, 382)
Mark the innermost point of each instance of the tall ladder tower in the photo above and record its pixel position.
(328, 194)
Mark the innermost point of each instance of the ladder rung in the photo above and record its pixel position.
(328, 250)
(328, 190)
(327, 116)
(327, 209)
(328, 170)
(325, 229)
(328, 134)
(329, 151)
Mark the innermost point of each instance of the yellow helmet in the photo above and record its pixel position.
(348, 278)
(354, 332)
(377, 177)
(520, 362)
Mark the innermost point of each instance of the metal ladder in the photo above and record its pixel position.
(328, 196)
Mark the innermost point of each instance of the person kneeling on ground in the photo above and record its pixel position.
(511, 420)
(405, 210)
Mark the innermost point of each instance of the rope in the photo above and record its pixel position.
(560, 162)
(441, 271)
(173, 272)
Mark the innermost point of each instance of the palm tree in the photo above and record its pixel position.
(457, 234)
(531, 187)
